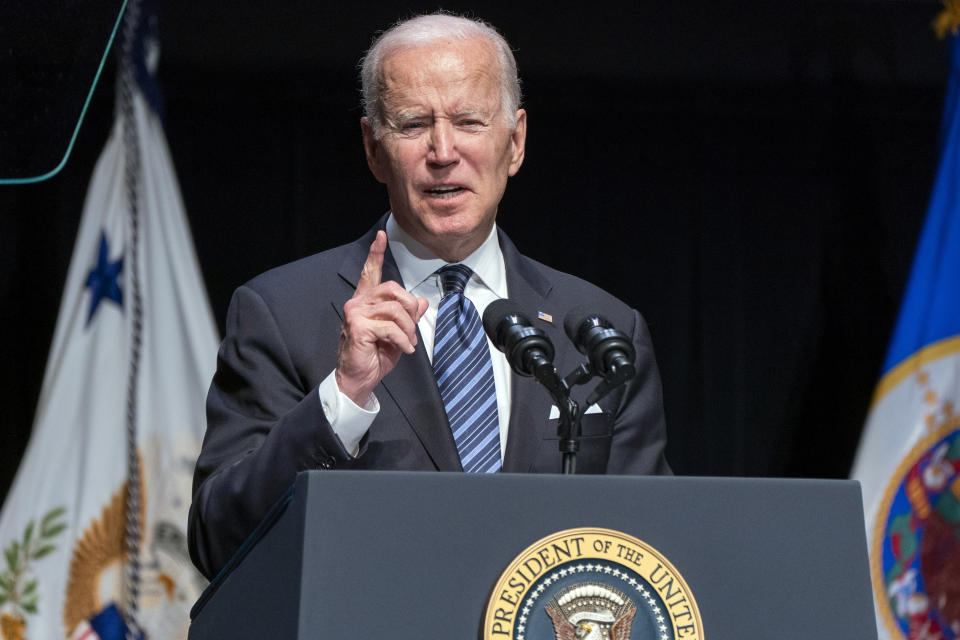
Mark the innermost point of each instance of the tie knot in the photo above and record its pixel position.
(453, 278)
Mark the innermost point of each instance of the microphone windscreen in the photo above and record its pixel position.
(495, 312)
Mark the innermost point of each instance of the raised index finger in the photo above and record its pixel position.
(373, 267)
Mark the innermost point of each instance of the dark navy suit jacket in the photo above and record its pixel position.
(265, 422)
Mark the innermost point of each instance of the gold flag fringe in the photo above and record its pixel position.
(948, 20)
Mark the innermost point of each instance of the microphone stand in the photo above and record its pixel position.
(568, 429)
(568, 424)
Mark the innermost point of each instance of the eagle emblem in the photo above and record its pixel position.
(591, 611)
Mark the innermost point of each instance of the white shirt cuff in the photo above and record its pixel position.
(348, 420)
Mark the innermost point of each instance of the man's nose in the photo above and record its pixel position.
(443, 144)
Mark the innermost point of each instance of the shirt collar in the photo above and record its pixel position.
(416, 262)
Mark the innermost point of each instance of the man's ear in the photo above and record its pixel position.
(372, 149)
(518, 142)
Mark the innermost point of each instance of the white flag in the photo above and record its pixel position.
(62, 525)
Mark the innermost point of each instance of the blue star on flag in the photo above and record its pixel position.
(103, 278)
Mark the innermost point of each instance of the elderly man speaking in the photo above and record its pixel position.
(372, 355)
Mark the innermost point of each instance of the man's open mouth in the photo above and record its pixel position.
(445, 191)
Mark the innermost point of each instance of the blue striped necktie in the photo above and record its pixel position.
(464, 373)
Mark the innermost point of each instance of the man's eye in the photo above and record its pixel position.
(411, 126)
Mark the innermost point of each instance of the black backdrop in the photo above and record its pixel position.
(750, 176)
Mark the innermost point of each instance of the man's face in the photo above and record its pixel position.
(446, 149)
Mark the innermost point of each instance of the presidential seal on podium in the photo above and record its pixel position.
(591, 584)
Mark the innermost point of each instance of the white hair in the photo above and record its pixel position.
(427, 29)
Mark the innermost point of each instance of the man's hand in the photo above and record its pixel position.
(379, 324)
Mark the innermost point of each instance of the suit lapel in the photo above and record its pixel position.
(530, 404)
(411, 384)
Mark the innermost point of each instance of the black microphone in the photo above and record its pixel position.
(610, 352)
(528, 350)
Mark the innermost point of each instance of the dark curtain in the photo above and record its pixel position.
(763, 225)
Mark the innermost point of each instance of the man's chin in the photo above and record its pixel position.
(454, 242)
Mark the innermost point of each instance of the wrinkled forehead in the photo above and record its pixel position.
(449, 70)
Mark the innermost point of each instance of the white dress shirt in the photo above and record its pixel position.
(418, 266)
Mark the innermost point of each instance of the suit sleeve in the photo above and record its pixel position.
(639, 431)
(263, 426)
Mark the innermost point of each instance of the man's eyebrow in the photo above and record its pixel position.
(471, 113)
(410, 114)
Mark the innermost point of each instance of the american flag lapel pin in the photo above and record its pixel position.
(545, 316)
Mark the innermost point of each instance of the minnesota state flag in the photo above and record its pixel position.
(908, 461)
(134, 345)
